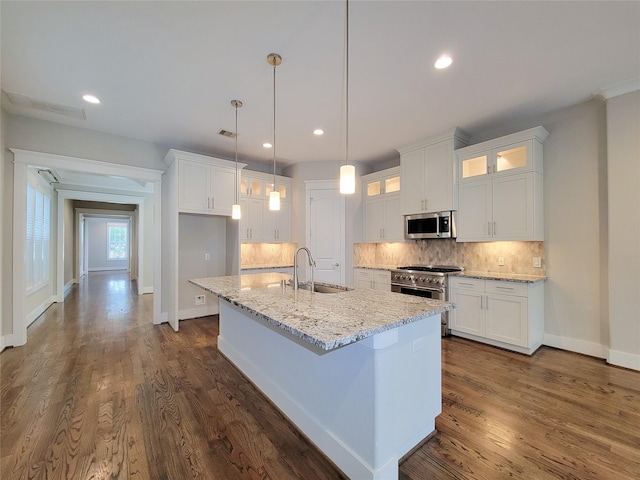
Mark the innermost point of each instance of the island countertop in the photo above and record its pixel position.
(326, 320)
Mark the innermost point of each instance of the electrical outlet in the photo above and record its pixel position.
(207, 257)
(537, 262)
(200, 300)
(501, 261)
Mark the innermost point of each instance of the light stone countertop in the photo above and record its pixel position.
(506, 277)
(326, 320)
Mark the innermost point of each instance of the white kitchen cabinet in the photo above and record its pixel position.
(428, 173)
(501, 189)
(501, 313)
(372, 279)
(383, 220)
(205, 185)
(276, 225)
(258, 223)
(251, 219)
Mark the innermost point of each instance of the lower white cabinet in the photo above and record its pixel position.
(500, 313)
(373, 279)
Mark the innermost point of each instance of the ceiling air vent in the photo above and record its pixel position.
(22, 101)
(226, 133)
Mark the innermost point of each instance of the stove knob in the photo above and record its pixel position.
(422, 279)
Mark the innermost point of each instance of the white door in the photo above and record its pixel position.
(325, 230)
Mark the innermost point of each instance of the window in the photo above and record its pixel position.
(117, 241)
(38, 243)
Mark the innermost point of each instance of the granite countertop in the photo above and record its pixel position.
(326, 320)
(377, 267)
(507, 277)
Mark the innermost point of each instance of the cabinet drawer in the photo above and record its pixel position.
(463, 283)
(506, 288)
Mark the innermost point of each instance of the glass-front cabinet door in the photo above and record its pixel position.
(250, 187)
(474, 166)
(514, 158)
(382, 186)
(268, 188)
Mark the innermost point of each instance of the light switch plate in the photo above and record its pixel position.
(501, 261)
(537, 262)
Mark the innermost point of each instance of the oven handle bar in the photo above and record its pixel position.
(415, 287)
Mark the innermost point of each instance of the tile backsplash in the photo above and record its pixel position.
(483, 256)
(257, 255)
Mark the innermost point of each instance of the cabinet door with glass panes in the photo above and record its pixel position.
(506, 160)
(376, 185)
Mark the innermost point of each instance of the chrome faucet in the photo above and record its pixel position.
(312, 264)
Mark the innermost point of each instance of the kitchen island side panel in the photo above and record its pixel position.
(364, 405)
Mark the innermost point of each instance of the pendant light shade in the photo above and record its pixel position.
(347, 179)
(236, 211)
(274, 196)
(347, 172)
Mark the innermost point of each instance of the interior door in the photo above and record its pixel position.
(325, 231)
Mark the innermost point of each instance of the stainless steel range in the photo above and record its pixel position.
(425, 281)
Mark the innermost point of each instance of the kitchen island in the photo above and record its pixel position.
(357, 371)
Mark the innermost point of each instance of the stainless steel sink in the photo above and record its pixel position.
(319, 288)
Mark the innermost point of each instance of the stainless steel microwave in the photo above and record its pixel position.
(430, 225)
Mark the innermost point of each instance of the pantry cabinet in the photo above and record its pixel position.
(257, 222)
(383, 220)
(206, 185)
(502, 313)
(429, 173)
(372, 279)
(501, 188)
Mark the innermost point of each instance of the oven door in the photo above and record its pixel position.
(435, 293)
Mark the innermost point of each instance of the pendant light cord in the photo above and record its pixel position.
(274, 124)
(347, 88)
(236, 182)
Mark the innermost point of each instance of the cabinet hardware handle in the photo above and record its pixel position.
(466, 284)
(487, 303)
(489, 228)
(251, 232)
(494, 228)
(481, 302)
(336, 264)
(504, 288)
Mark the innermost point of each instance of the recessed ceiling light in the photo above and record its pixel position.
(318, 131)
(267, 145)
(90, 98)
(443, 62)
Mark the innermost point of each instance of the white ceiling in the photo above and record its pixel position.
(167, 71)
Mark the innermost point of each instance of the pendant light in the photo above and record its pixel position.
(236, 211)
(274, 196)
(347, 172)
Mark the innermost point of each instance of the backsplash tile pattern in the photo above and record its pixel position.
(258, 255)
(482, 257)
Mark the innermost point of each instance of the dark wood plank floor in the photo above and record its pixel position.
(98, 392)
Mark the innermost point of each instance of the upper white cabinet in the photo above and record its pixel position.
(383, 220)
(258, 223)
(501, 188)
(206, 185)
(429, 173)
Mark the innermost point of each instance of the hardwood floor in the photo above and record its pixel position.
(98, 392)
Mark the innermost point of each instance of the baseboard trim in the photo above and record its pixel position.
(624, 359)
(39, 310)
(575, 345)
(198, 312)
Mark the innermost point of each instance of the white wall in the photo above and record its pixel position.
(97, 246)
(199, 235)
(69, 243)
(623, 147)
(6, 325)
